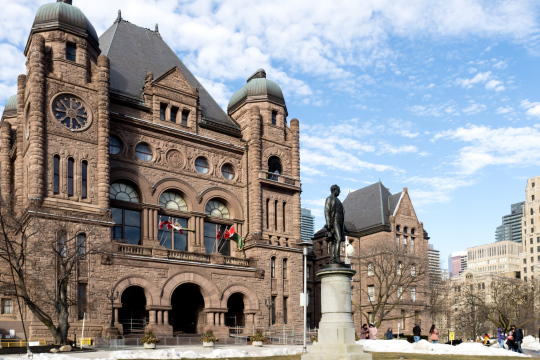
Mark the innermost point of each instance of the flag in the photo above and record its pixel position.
(181, 229)
(232, 235)
(218, 236)
(165, 223)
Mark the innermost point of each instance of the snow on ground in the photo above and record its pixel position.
(531, 343)
(425, 347)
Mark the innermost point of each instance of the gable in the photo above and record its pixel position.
(405, 206)
(174, 79)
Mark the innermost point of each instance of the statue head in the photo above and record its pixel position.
(335, 190)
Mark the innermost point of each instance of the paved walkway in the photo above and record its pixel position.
(532, 353)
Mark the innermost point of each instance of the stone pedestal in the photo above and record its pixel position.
(336, 330)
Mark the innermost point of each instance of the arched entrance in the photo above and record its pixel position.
(133, 315)
(187, 309)
(235, 315)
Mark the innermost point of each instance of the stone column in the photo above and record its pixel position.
(201, 232)
(36, 137)
(103, 167)
(222, 319)
(295, 161)
(254, 192)
(191, 235)
(159, 317)
(209, 319)
(116, 315)
(21, 85)
(166, 317)
(152, 316)
(154, 229)
(145, 226)
(5, 138)
(216, 318)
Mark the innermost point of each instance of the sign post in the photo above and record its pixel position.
(451, 337)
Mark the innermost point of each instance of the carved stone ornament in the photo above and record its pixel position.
(174, 158)
(106, 259)
(71, 112)
(259, 274)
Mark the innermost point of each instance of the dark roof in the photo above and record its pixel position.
(134, 51)
(11, 106)
(370, 206)
(66, 16)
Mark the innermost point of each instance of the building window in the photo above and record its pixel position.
(538, 239)
(284, 268)
(530, 241)
(273, 309)
(532, 250)
(285, 310)
(144, 152)
(308, 271)
(81, 246)
(275, 215)
(185, 115)
(82, 300)
(274, 167)
(413, 270)
(400, 293)
(227, 171)
(412, 245)
(202, 165)
(173, 239)
(127, 225)
(115, 146)
(413, 293)
(412, 231)
(6, 306)
(525, 270)
(532, 184)
(405, 230)
(284, 216)
(211, 243)
(532, 211)
(273, 267)
(70, 176)
(172, 200)
(404, 244)
(71, 52)
(525, 278)
(56, 178)
(274, 117)
(479, 286)
(370, 269)
(124, 192)
(397, 228)
(84, 179)
(61, 244)
(524, 261)
(532, 198)
(402, 319)
(267, 213)
(217, 208)
(174, 112)
(162, 111)
(371, 293)
(398, 269)
(308, 297)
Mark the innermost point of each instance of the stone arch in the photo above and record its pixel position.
(281, 154)
(240, 288)
(150, 290)
(165, 184)
(209, 291)
(143, 185)
(234, 205)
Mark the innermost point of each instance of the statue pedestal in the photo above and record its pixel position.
(336, 330)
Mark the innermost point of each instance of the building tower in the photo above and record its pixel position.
(457, 263)
(511, 224)
(308, 224)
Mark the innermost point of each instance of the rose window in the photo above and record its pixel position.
(71, 112)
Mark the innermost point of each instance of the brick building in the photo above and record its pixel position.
(116, 132)
(376, 218)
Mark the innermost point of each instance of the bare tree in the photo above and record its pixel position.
(469, 320)
(396, 280)
(40, 253)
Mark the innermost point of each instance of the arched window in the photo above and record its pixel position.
(273, 267)
(124, 192)
(61, 244)
(405, 229)
(56, 178)
(84, 179)
(70, 176)
(397, 228)
(284, 268)
(81, 246)
(202, 165)
(217, 208)
(144, 152)
(412, 231)
(274, 167)
(115, 146)
(172, 200)
(227, 171)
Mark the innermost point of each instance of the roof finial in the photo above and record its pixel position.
(119, 17)
(157, 30)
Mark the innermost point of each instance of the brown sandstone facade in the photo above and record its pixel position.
(138, 159)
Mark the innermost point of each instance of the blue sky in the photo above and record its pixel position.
(437, 96)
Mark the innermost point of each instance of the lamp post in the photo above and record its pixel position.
(305, 245)
(268, 303)
(112, 296)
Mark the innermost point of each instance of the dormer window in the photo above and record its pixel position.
(71, 52)
(274, 117)
(185, 115)
(162, 111)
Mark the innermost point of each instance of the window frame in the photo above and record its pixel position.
(70, 176)
(71, 56)
(123, 225)
(284, 269)
(81, 250)
(231, 173)
(84, 179)
(273, 267)
(174, 114)
(111, 146)
(144, 155)
(56, 174)
(163, 111)
(274, 117)
(185, 117)
(197, 166)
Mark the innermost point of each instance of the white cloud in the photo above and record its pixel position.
(500, 65)
(394, 150)
(472, 70)
(494, 85)
(311, 171)
(435, 190)
(440, 110)
(488, 48)
(504, 110)
(474, 108)
(478, 78)
(500, 146)
(533, 108)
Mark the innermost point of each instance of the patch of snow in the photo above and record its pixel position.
(425, 347)
(530, 343)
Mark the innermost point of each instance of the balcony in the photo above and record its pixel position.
(161, 253)
(278, 179)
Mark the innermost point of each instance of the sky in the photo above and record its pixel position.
(439, 96)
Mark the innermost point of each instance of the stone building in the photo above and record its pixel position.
(497, 257)
(530, 245)
(376, 218)
(114, 131)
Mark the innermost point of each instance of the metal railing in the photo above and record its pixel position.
(121, 342)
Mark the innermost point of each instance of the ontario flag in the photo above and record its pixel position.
(232, 235)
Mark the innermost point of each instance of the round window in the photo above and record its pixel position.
(144, 152)
(114, 145)
(227, 171)
(70, 111)
(202, 165)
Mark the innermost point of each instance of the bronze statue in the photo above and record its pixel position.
(335, 224)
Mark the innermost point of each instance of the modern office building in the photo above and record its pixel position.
(307, 224)
(434, 264)
(511, 226)
(497, 257)
(457, 263)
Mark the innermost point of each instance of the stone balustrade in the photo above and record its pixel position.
(279, 178)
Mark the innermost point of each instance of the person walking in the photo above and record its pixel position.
(372, 332)
(518, 336)
(501, 337)
(511, 340)
(416, 332)
(389, 334)
(434, 334)
(363, 331)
